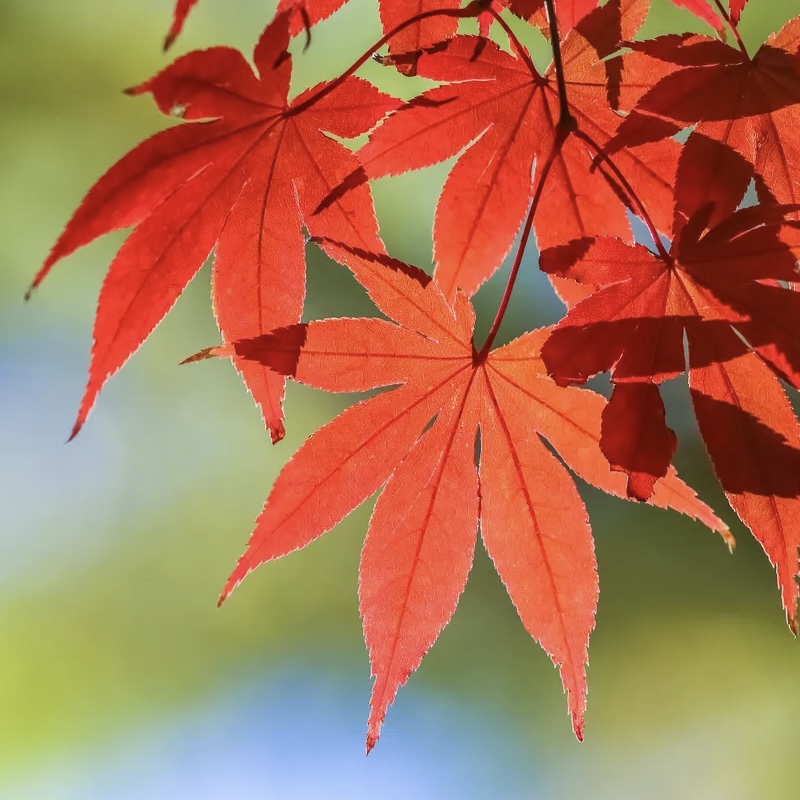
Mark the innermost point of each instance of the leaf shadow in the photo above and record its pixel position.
(737, 440)
(574, 353)
(342, 251)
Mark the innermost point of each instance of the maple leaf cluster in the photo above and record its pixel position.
(473, 438)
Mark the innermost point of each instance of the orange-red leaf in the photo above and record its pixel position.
(536, 531)
(418, 442)
(736, 8)
(501, 115)
(702, 10)
(419, 549)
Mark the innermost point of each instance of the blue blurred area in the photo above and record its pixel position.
(297, 737)
(118, 676)
(75, 480)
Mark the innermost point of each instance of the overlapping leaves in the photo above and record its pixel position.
(417, 442)
(746, 105)
(502, 115)
(576, 152)
(725, 292)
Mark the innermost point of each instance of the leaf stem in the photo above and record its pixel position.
(732, 25)
(473, 9)
(565, 117)
(518, 46)
(562, 133)
(629, 191)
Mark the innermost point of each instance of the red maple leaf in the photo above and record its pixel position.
(720, 288)
(498, 110)
(393, 13)
(418, 441)
(244, 182)
(749, 105)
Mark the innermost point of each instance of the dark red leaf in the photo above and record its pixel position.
(748, 105)
(751, 435)
(636, 439)
(721, 290)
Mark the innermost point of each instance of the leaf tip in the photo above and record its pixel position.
(76, 429)
(234, 579)
(277, 431)
(377, 715)
(373, 734)
(139, 88)
(728, 538)
(42, 273)
(226, 591)
(219, 351)
(577, 726)
(791, 619)
(169, 40)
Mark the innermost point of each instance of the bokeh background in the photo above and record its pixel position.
(118, 676)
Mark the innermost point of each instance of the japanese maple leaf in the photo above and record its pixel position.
(244, 182)
(720, 288)
(417, 442)
(502, 115)
(749, 105)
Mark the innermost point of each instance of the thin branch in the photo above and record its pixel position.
(635, 201)
(473, 9)
(518, 46)
(732, 25)
(565, 117)
(562, 133)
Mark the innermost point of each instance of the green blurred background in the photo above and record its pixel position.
(118, 676)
